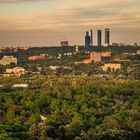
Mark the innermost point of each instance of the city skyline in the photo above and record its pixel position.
(47, 22)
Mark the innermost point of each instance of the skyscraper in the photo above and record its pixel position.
(99, 39)
(87, 39)
(91, 37)
(107, 36)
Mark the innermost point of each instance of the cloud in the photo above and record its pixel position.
(22, 1)
(14, 1)
(68, 17)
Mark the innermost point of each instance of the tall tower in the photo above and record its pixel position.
(107, 36)
(91, 37)
(99, 39)
(87, 39)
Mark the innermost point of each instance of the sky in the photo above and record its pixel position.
(47, 22)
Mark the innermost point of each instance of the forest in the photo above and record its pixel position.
(70, 108)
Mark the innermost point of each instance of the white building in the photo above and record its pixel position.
(20, 86)
(54, 67)
(7, 60)
(112, 67)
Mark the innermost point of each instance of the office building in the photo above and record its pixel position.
(99, 38)
(91, 37)
(87, 39)
(107, 36)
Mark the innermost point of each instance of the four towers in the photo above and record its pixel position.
(89, 38)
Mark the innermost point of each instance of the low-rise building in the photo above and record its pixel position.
(87, 61)
(38, 57)
(7, 60)
(99, 56)
(64, 43)
(20, 86)
(18, 71)
(95, 56)
(68, 54)
(106, 54)
(1, 86)
(54, 67)
(79, 62)
(115, 44)
(77, 49)
(138, 51)
(112, 67)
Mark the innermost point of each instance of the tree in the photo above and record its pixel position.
(110, 123)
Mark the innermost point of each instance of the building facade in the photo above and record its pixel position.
(95, 56)
(107, 36)
(87, 39)
(91, 37)
(112, 67)
(99, 38)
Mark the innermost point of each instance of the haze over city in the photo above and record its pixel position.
(46, 22)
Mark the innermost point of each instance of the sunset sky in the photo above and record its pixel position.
(47, 22)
